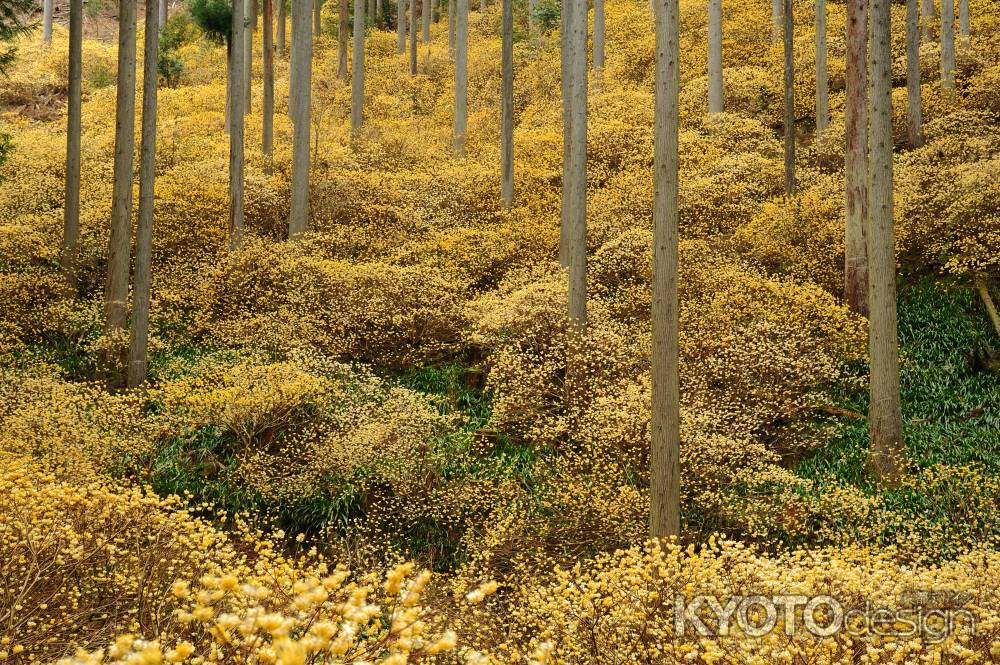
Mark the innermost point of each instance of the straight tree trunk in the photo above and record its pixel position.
(400, 26)
(358, 72)
(566, 60)
(378, 12)
(777, 12)
(507, 108)
(144, 224)
(452, 9)
(913, 101)
(293, 60)
(236, 131)
(885, 418)
(298, 217)
(425, 16)
(789, 27)
(822, 85)
(928, 17)
(715, 56)
(599, 25)
(71, 209)
(664, 489)
(856, 160)
(963, 22)
(163, 14)
(413, 36)
(318, 18)
(254, 9)
(461, 76)
(120, 243)
(279, 37)
(370, 12)
(229, 85)
(343, 28)
(532, 21)
(47, 21)
(948, 45)
(247, 59)
(267, 138)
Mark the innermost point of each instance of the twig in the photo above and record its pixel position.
(984, 293)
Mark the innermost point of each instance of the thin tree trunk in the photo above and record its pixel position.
(566, 59)
(293, 61)
(426, 21)
(948, 45)
(452, 8)
(599, 26)
(47, 21)
(715, 56)
(664, 490)
(963, 22)
(378, 12)
(461, 76)
(822, 86)
(343, 28)
(254, 9)
(413, 36)
(71, 209)
(163, 14)
(236, 131)
(144, 223)
(991, 308)
(280, 28)
(247, 60)
(928, 17)
(358, 72)
(507, 108)
(318, 18)
(120, 243)
(229, 86)
(532, 21)
(400, 26)
(913, 100)
(776, 13)
(885, 418)
(856, 159)
(788, 22)
(370, 12)
(298, 218)
(268, 121)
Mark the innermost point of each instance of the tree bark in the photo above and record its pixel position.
(566, 60)
(788, 23)
(664, 490)
(777, 12)
(162, 18)
(452, 8)
(343, 28)
(425, 17)
(247, 60)
(144, 224)
(413, 36)
(47, 21)
(885, 418)
(913, 100)
(715, 103)
(358, 71)
(400, 26)
(279, 37)
(318, 18)
(120, 243)
(461, 76)
(298, 218)
(378, 12)
(599, 26)
(856, 160)
(267, 138)
(822, 85)
(948, 45)
(236, 132)
(71, 208)
(963, 22)
(507, 108)
(928, 16)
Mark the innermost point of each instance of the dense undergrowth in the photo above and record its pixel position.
(389, 387)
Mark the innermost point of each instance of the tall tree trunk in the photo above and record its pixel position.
(378, 12)
(236, 132)
(566, 70)
(425, 17)
(298, 218)
(279, 37)
(532, 21)
(358, 71)
(822, 86)
(229, 85)
(507, 108)
(370, 12)
(144, 223)
(318, 18)
(599, 26)
(856, 160)
(413, 36)
(715, 56)
(120, 243)
(963, 22)
(71, 209)
(452, 9)
(928, 17)
(913, 110)
(247, 59)
(343, 28)
(777, 12)
(664, 490)
(461, 76)
(293, 61)
(162, 18)
(789, 27)
(885, 418)
(400, 26)
(47, 21)
(948, 45)
(268, 121)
